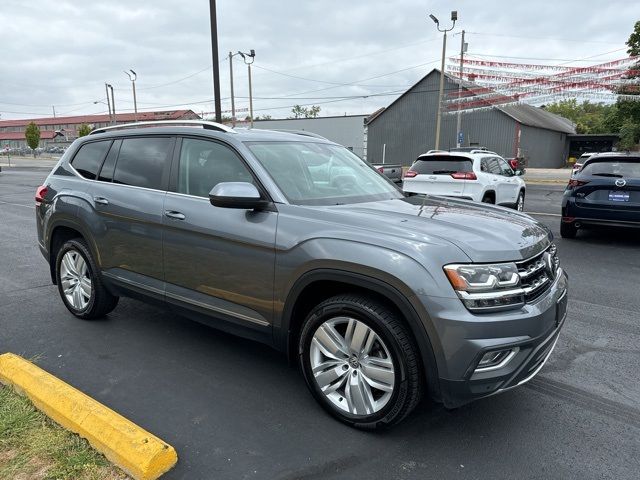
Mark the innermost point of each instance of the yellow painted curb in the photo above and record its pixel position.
(136, 451)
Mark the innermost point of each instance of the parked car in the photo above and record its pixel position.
(296, 242)
(392, 171)
(606, 191)
(580, 162)
(478, 175)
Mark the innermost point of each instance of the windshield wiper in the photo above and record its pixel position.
(606, 175)
(443, 172)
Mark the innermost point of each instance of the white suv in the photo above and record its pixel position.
(479, 175)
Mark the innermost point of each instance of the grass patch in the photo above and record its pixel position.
(34, 447)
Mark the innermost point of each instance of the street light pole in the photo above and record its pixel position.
(463, 49)
(454, 17)
(106, 89)
(113, 104)
(249, 58)
(133, 77)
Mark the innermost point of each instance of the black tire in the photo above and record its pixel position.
(386, 324)
(487, 198)
(568, 230)
(520, 197)
(101, 301)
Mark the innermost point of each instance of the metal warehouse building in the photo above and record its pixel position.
(347, 130)
(406, 128)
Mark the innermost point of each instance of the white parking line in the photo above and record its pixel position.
(540, 213)
(16, 204)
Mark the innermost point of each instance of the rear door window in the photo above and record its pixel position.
(109, 165)
(144, 162)
(442, 165)
(492, 165)
(89, 158)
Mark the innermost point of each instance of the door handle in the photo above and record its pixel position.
(495, 179)
(175, 215)
(101, 200)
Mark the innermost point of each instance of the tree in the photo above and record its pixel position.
(303, 112)
(84, 130)
(32, 136)
(629, 134)
(588, 117)
(298, 111)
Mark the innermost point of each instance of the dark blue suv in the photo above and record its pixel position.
(606, 191)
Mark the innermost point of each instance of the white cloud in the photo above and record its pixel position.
(61, 53)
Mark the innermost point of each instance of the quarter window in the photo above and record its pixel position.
(143, 161)
(204, 164)
(89, 158)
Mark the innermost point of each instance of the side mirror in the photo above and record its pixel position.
(242, 195)
(519, 172)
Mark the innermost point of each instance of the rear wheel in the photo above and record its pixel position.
(79, 285)
(520, 202)
(568, 230)
(360, 362)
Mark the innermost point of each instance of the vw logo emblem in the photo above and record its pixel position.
(621, 182)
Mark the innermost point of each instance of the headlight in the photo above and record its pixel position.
(486, 287)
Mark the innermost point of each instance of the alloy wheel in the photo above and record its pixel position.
(520, 205)
(352, 366)
(75, 280)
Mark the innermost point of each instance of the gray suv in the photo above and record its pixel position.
(294, 241)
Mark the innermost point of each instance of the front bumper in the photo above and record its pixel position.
(531, 332)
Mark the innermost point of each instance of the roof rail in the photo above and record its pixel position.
(482, 150)
(189, 123)
(304, 133)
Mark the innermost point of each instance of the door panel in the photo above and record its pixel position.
(218, 259)
(128, 225)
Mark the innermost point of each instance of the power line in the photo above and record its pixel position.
(489, 34)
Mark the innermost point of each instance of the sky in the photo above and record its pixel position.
(346, 57)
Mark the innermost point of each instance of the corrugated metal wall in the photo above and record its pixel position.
(543, 148)
(408, 129)
(347, 130)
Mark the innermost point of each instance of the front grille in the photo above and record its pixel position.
(537, 273)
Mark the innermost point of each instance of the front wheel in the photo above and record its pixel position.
(79, 285)
(360, 361)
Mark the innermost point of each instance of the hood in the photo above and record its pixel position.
(485, 233)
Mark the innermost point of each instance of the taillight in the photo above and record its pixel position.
(41, 191)
(464, 176)
(410, 174)
(381, 169)
(576, 183)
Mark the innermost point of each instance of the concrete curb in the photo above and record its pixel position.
(133, 449)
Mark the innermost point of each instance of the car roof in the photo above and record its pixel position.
(202, 129)
(611, 156)
(472, 156)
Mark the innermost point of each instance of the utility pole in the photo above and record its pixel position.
(249, 58)
(233, 102)
(216, 61)
(133, 77)
(463, 49)
(53, 107)
(454, 17)
(113, 105)
(106, 89)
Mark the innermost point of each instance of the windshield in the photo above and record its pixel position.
(442, 164)
(310, 173)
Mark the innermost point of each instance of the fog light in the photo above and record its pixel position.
(496, 359)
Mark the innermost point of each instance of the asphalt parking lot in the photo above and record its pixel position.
(235, 409)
